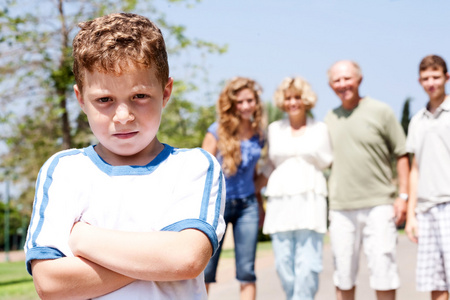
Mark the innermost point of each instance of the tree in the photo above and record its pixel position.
(39, 113)
(184, 124)
(406, 115)
(15, 226)
(273, 113)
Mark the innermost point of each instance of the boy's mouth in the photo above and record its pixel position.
(125, 135)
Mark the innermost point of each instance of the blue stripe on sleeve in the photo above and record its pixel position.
(208, 185)
(34, 209)
(47, 183)
(218, 201)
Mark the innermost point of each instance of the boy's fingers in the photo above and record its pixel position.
(411, 233)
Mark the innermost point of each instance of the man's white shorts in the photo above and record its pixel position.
(374, 229)
(433, 252)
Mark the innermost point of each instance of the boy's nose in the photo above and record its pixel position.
(123, 114)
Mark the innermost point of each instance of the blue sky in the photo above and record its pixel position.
(271, 39)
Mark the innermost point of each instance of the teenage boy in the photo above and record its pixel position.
(428, 221)
(128, 218)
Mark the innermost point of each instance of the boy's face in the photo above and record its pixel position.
(433, 81)
(124, 113)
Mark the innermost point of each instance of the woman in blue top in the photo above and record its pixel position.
(236, 139)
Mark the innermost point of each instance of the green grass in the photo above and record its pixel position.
(15, 282)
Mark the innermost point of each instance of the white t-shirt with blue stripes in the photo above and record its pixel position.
(179, 189)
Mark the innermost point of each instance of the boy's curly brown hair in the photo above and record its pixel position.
(115, 42)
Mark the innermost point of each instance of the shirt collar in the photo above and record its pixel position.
(445, 106)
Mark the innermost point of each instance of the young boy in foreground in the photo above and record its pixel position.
(428, 221)
(128, 218)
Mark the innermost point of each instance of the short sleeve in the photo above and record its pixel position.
(410, 139)
(54, 212)
(213, 128)
(324, 153)
(394, 134)
(199, 192)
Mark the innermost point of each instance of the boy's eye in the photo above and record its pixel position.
(140, 96)
(104, 99)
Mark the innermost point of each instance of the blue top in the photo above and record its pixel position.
(241, 185)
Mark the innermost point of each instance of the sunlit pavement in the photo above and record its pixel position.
(269, 288)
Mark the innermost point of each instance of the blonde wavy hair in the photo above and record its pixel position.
(299, 84)
(229, 143)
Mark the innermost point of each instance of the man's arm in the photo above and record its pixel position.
(74, 278)
(152, 256)
(411, 221)
(400, 205)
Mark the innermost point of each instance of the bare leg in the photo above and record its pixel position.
(386, 295)
(439, 295)
(207, 287)
(248, 291)
(345, 294)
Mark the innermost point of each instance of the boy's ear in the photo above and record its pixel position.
(447, 76)
(79, 96)
(167, 91)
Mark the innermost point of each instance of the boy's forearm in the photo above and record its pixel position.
(74, 278)
(413, 183)
(152, 256)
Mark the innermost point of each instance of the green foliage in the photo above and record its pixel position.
(184, 124)
(273, 113)
(15, 225)
(406, 116)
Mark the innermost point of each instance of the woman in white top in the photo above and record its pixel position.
(299, 150)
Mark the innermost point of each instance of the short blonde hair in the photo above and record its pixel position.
(299, 84)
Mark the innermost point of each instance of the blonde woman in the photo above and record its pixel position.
(236, 139)
(299, 149)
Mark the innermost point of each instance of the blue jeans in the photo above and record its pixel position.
(243, 214)
(298, 260)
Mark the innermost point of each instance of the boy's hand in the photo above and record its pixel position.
(411, 228)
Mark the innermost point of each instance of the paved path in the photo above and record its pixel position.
(269, 288)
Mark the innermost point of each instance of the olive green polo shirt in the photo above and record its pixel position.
(364, 140)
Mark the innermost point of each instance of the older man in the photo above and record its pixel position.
(364, 208)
